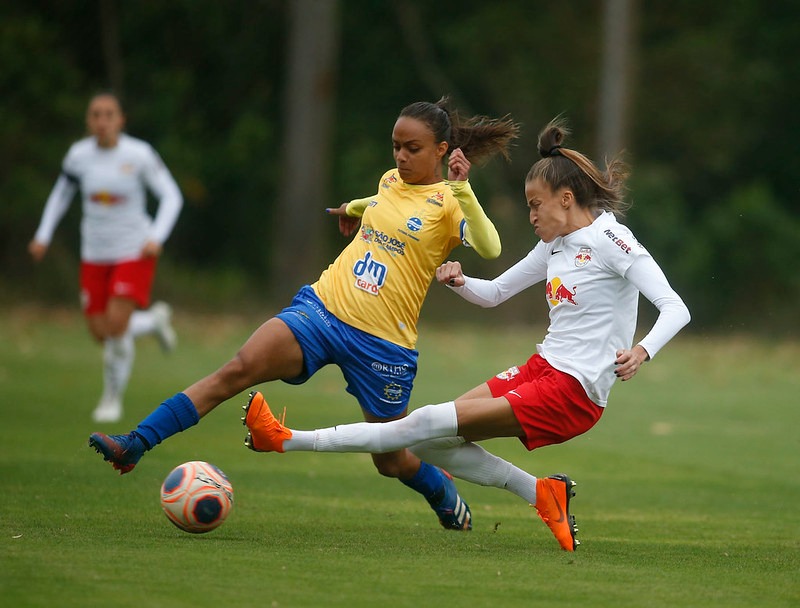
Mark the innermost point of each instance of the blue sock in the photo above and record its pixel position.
(176, 414)
(428, 481)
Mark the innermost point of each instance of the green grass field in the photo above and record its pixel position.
(688, 488)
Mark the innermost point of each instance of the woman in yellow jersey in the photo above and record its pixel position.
(361, 314)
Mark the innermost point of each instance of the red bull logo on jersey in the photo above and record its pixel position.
(584, 257)
(557, 293)
(508, 374)
(370, 274)
(104, 197)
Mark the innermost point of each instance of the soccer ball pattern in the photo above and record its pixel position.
(196, 496)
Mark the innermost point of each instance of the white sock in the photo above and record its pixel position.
(472, 463)
(118, 355)
(142, 323)
(424, 423)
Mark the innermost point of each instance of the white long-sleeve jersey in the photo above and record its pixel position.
(594, 277)
(113, 181)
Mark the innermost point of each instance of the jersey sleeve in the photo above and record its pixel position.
(527, 272)
(170, 201)
(355, 208)
(59, 200)
(619, 248)
(646, 275)
(479, 232)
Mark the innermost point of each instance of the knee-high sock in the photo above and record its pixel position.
(118, 355)
(173, 416)
(420, 425)
(472, 463)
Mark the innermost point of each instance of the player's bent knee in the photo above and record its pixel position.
(394, 464)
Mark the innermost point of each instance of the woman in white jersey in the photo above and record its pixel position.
(361, 315)
(120, 242)
(594, 269)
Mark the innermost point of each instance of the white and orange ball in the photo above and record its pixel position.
(196, 496)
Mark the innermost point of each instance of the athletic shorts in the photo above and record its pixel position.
(551, 405)
(379, 373)
(100, 282)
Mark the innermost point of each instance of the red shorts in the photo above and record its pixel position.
(551, 406)
(100, 282)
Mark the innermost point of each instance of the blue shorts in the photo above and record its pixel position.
(379, 373)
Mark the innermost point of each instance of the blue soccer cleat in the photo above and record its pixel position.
(453, 512)
(122, 451)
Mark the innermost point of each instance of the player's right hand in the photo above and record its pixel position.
(450, 274)
(37, 250)
(347, 224)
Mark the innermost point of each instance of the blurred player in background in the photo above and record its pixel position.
(595, 270)
(362, 313)
(120, 242)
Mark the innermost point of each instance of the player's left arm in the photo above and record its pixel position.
(646, 275)
(170, 201)
(479, 231)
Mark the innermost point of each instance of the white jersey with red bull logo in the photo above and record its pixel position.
(113, 181)
(593, 293)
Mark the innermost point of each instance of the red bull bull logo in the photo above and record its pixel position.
(104, 197)
(584, 257)
(557, 293)
(508, 374)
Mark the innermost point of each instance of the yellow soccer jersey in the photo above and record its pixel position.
(378, 283)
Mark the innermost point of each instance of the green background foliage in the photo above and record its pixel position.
(711, 129)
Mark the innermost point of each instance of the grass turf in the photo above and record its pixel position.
(687, 488)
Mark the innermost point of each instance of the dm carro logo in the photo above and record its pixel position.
(370, 274)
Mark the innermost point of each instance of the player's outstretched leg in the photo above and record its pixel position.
(552, 504)
(267, 434)
(122, 451)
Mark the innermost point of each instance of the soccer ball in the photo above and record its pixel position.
(196, 496)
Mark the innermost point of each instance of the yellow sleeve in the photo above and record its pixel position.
(480, 231)
(355, 208)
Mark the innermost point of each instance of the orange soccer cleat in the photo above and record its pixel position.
(552, 505)
(265, 433)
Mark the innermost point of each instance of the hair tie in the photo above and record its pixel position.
(554, 151)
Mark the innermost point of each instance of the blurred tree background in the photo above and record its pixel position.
(268, 111)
